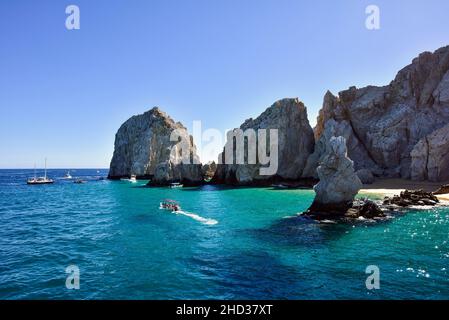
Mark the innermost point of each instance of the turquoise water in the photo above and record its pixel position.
(127, 248)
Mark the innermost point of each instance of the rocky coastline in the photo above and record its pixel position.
(400, 130)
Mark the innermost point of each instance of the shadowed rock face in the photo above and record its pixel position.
(430, 157)
(296, 143)
(208, 170)
(382, 125)
(143, 148)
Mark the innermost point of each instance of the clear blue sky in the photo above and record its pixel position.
(64, 94)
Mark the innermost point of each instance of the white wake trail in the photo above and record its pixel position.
(197, 217)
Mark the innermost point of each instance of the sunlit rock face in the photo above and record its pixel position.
(143, 147)
(338, 181)
(295, 144)
(338, 185)
(382, 125)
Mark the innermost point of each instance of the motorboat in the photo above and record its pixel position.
(171, 205)
(176, 185)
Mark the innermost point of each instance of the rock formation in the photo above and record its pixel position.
(295, 144)
(430, 157)
(364, 208)
(143, 148)
(382, 125)
(338, 186)
(208, 170)
(412, 197)
(338, 182)
(365, 175)
(444, 189)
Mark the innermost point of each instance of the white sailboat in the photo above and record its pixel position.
(40, 180)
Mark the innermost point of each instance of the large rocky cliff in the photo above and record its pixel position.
(143, 148)
(382, 125)
(295, 144)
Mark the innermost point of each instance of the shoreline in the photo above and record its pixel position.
(391, 187)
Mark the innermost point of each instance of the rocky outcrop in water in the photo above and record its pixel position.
(382, 125)
(143, 148)
(364, 208)
(430, 157)
(338, 182)
(295, 144)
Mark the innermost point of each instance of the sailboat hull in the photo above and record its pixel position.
(40, 182)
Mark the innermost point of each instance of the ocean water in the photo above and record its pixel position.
(244, 243)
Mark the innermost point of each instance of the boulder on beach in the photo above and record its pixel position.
(444, 189)
(412, 198)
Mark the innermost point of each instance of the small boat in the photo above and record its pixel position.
(40, 180)
(132, 179)
(68, 176)
(176, 185)
(79, 181)
(171, 205)
(279, 186)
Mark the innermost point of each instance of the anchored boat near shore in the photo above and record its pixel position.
(176, 185)
(40, 180)
(132, 178)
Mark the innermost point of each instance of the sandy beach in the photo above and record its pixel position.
(390, 187)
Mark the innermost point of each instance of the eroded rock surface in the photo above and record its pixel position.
(444, 189)
(295, 144)
(430, 157)
(143, 148)
(412, 198)
(338, 183)
(208, 170)
(382, 125)
(365, 175)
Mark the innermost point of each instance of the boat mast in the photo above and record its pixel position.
(35, 177)
(45, 168)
